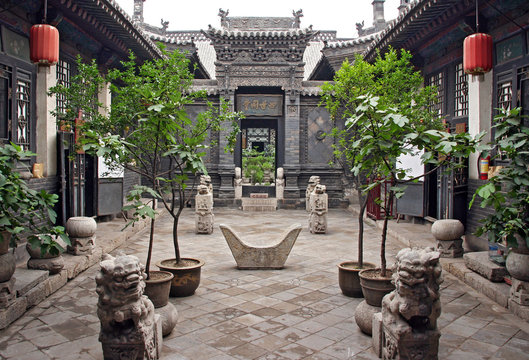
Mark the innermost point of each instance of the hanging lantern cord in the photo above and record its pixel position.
(477, 17)
(45, 12)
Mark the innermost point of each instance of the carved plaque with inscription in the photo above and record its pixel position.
(260, 105)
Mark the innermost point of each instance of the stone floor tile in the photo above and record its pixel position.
(490, 336)
(249, 319)
(285, 307)
(310, 326)
(459, 355)
(294, 351)
(229, 326)
(201, 352)
(334, 333)
(48, 340)
(288, 319)
(205, 334)
(248, 334)
(269, 326)
(267, 312)
(270, 342)
(34, 355)
(479, 347)
(247, 351)
(17, 349)
(315, 342)
(459, 330)
(181, 342)
(225, 343)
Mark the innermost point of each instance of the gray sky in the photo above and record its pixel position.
(323, 15)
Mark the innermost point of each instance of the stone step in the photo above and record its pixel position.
(259, 204)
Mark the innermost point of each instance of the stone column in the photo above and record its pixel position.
(318, 210)
(479, 112)
(204, 219)
(447, 233)
(292, 165)
(46, 123)
(226, 159)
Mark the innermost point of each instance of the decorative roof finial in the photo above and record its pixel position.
(297, 17)
(224, 17)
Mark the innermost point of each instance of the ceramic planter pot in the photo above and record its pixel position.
(348, 278)
(157, 287)
(39, 261)
(375, 287)
(186, 276)
(517, 265)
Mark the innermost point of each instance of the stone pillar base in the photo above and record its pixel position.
(410, 345)
(81, 246)
(364, 316)
(520, 292)
(450, 248)
(7, 292)
(53, 265)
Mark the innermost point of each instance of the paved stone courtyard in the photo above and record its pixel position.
(294, 313)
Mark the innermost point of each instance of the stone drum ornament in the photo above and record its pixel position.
(313, 181)
(447, 233)
(129, 327)
(318, 212)
(204, 218)
(81, 230)
(410, 312)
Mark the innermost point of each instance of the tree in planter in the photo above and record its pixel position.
(508, 191)
(385, 135)
(150, 132)
(393, 79)
(24, 211)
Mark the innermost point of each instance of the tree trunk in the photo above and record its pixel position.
(363, 204)
(151, 242)
(384, 235)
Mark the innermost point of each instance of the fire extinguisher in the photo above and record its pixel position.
(483, 167)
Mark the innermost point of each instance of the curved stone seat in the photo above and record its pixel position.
(264, 254)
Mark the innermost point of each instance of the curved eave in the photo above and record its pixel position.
(418, 19)
(106, 19)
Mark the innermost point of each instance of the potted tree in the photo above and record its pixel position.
(393, 80)
(149, 132)
(25, 212)
(386, 115)
(508, 192)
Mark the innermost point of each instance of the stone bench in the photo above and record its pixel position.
(261, 254)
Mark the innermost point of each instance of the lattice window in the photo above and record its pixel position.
(461, 92)
(23, 113)
(437, 107)
(505, 95)
(64, 72)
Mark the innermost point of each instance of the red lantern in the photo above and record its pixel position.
(477, 54)
(44, 44)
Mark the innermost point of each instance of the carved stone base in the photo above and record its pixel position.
(82, 246)
(318, 223)
(450, 248)
(53, 265)
(520, 292)
(410, 345)
(238, 191)
(204, 223)
(169, 317)
(7, 293)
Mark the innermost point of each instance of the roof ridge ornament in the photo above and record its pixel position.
(297, 18)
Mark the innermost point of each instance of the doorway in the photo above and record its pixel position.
(258, 151)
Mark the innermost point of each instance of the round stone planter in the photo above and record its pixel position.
(375, 287)
(517, 265)
(448, 229)
(348, 278)
(157, 287)
(169, 316)
(81, 226)
(186, 276)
